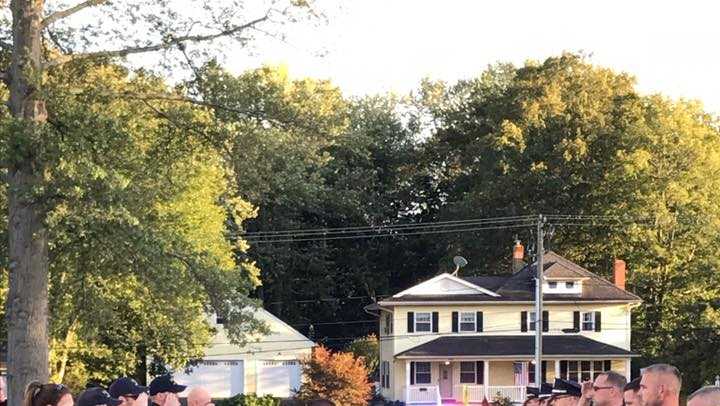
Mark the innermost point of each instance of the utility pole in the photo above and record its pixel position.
(539, 300)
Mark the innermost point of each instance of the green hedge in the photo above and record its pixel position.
(248, 400)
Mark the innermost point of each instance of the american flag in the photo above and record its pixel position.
(520, 370)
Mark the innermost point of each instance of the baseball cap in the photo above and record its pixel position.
(165, 383)
(126, 386)
(565, 387)
(97, 396)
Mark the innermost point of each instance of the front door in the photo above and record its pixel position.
(446, 383)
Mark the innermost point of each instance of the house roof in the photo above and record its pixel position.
(520, 286)
(513, 346)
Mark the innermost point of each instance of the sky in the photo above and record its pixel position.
(376, 46)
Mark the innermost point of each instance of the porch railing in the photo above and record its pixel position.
(515, 393)
(422, 394)
(475, 393)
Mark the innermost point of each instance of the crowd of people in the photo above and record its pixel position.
(162, 391)
(658, 385)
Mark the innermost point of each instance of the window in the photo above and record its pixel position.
(467, 322)
(468, 372)
(531, 321)
(388, 324)
(553, 285)
(570, 285)
(423, 322)
(579, 371)
(588, 321)
(422, 372)
(385, 374)
(573, 371)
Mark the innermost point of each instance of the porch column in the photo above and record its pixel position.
(407, 381)
(557, 369)
(628, 369)
(486, 381)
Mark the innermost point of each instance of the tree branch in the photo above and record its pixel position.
(152, 48)
(59, 15)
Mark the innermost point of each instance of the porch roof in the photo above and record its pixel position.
(489, 346)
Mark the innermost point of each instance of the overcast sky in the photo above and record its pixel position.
(375, 46)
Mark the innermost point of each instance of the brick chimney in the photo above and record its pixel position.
(619, 273)
(517, 257)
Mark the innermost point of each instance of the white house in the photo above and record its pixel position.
(268, 365)
(451, 337)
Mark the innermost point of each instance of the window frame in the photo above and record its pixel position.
(552, 285)
(429, 323)
(575, 369)
(569, 284)
(461, 322)
(532, 321)
(466, 372)
(418, 373)
(583, 322)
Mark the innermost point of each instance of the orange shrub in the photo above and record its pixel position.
(339, 377)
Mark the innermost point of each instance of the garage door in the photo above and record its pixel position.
(278, 378)
(222, 379)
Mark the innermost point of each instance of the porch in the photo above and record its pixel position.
(453, 382)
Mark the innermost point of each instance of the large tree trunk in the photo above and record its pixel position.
(27, 301)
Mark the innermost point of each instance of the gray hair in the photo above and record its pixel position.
(706, 391)
(615, 379)
(665, 369)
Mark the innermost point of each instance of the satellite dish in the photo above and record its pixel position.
(459, 263)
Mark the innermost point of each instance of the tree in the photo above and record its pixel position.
(338, 377)
(567, 137)
(367, 349)
(43, 38)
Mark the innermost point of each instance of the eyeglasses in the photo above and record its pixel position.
(597, 388)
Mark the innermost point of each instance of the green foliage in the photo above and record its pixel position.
(248, 400)
(368, 349)
(567, 137)
(137, 219)
(500, 400)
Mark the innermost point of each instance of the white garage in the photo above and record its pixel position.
(267, 365)
(278, 378)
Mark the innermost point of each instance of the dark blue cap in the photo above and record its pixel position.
(165, 383)
(532, 392)
(95, 397)
(546, 390)
(564, 387)
(126, 386)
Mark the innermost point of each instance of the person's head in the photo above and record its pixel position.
(532, 402)
(164, 386)
(565, 393)
(97, 397)
(630, 393)
(3, 389)
(707, 396)
(660, 385)
(608, 389)
(198, 396)
(38, 394)
(127, 390)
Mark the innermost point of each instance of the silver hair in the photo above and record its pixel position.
(664, 369)
(706, 391)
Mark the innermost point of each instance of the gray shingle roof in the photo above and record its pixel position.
(520, 286)
(492, 345)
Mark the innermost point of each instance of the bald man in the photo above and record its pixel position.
(707, 396)
(198, 396)
(660, 386)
